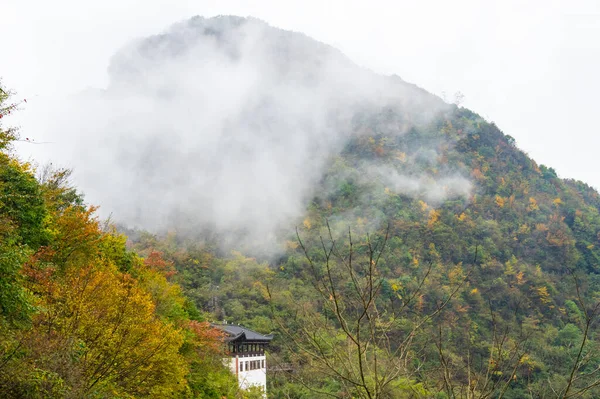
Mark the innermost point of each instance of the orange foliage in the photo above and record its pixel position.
(477, 174)
(155, 261)
(206, 337)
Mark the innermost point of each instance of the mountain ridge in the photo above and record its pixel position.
(217, 112)
(432, 257)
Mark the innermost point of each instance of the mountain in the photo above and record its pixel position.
(508, 248)
(232, 121)
(432, 257)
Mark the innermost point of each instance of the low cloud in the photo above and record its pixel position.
(434, 190)
(227, 124)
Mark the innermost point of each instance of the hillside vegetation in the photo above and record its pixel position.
(491, 295)
(432, 258)
(81, 316)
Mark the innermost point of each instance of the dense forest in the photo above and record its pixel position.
(433, 259)
(489, 296)
(83, 316)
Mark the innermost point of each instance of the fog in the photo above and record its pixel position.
(227, 124)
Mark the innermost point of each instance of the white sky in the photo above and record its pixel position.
(533, 67)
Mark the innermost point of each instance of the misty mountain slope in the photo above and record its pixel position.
(227, 125)
(462, 201)
(233, 128)
(461, 177)
(289, 57)
(237, 131)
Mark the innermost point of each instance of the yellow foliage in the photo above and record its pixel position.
(543, 294)
(307, 223)
(557, 201)
(474, 291)
(127, 347)
(24, 167)
(415, 261)
(462, 217)
(291, 244)
(260, 287)
(524, 229)
(533, 206)
(433, 251)
(510, 265)
(519, 277)
(401, 156)
(541, 227)
(434, 216)
(455, 274)
(500, 201)
(167, 297)
(423, 206)
(509, 271)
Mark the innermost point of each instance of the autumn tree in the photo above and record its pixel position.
(349, 332)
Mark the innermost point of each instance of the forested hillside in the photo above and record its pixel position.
(81, 316)
(395, 245)
(493, 295)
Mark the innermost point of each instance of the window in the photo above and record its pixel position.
(263, 364)
(241, 366)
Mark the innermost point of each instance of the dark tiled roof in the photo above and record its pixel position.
(239, 333)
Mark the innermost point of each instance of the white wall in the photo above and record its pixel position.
(247, 377)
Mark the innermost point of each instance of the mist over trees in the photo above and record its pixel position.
(395, 245)
(233, 122)
(81, 316)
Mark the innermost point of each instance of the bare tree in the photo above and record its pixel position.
(476, 376)
(348, 332)
(583, 376)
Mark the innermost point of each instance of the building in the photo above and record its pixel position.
(247, 359)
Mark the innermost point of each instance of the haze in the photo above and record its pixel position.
(227, 125)
(530, 68)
